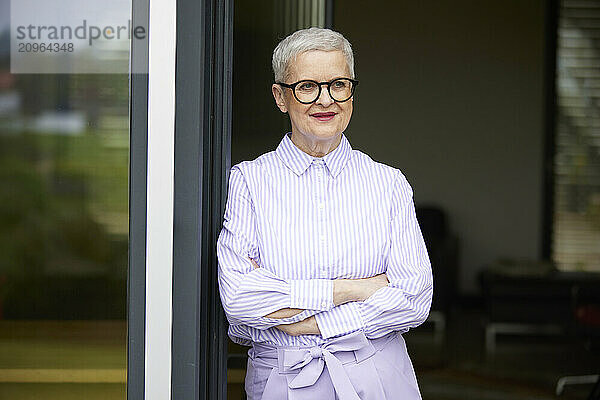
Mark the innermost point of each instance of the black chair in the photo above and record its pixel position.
(442, 247)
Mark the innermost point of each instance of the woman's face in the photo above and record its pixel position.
(324, 120)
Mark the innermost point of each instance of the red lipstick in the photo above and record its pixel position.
(324, 116)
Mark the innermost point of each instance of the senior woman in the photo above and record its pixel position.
(322, 265)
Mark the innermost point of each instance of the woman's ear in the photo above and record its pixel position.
(278, 96)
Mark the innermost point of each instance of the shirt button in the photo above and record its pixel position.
(323, 238)
(321, 206)
(324, 304)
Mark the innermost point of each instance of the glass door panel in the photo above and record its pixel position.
(64, 148)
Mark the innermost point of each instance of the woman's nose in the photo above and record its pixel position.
(324, 98)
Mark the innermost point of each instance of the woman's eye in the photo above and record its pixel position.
(307, 86)
(339, 84)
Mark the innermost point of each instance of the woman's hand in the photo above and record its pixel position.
(368, 286)
(346, 290)
(307, 326)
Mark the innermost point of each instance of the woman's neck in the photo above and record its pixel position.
(316, 148)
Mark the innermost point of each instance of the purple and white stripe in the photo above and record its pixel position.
(307, 221)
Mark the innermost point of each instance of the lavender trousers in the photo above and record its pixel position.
(349, 367)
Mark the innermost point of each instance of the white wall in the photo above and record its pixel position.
(451, 92)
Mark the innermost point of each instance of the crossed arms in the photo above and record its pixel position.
(254, 296)
(344, 291)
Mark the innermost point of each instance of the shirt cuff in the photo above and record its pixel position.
(311, 294)
(340, 320)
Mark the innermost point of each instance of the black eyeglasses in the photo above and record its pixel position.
(308, 91)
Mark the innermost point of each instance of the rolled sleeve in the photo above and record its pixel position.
(341, 320)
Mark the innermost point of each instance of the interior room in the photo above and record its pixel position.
(462, 97)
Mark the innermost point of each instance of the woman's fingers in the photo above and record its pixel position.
(345, 290)
(382, 278)
(373, 284)
(254, 264)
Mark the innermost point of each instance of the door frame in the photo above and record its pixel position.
(202, 162)
(179, 162)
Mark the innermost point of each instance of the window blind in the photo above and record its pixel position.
(576, 215)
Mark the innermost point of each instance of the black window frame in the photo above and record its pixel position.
(203, 87)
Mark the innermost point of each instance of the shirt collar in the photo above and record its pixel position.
(299, 161)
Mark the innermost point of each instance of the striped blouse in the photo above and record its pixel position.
(307, 221)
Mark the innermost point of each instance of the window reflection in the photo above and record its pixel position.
(64, 146)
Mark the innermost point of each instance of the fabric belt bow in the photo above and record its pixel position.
(311, 361)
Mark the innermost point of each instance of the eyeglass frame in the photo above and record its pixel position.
(320, 85)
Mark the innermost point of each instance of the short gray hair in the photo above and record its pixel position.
(306, 40)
